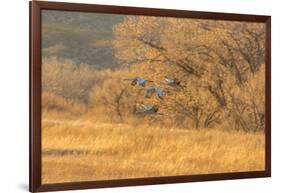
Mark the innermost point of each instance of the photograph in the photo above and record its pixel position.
(136, 96)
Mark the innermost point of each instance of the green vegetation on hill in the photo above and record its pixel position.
(81, 37)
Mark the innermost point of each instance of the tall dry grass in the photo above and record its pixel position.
(82, 149)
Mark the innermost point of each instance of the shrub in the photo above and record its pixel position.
(53, 102)
(69, 80)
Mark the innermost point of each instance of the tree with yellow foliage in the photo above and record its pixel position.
(213, 59)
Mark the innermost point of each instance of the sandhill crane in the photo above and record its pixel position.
(138, 80)
(148, 109)
(158, 91)
(173, 82)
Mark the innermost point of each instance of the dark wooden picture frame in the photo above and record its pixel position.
(35, 95)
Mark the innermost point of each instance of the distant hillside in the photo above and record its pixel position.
(81, 37)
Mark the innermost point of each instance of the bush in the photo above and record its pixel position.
(69, 80)
(53, 102)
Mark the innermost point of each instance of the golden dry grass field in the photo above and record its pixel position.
(85, 150)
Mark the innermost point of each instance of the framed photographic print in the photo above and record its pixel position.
(123, 96)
